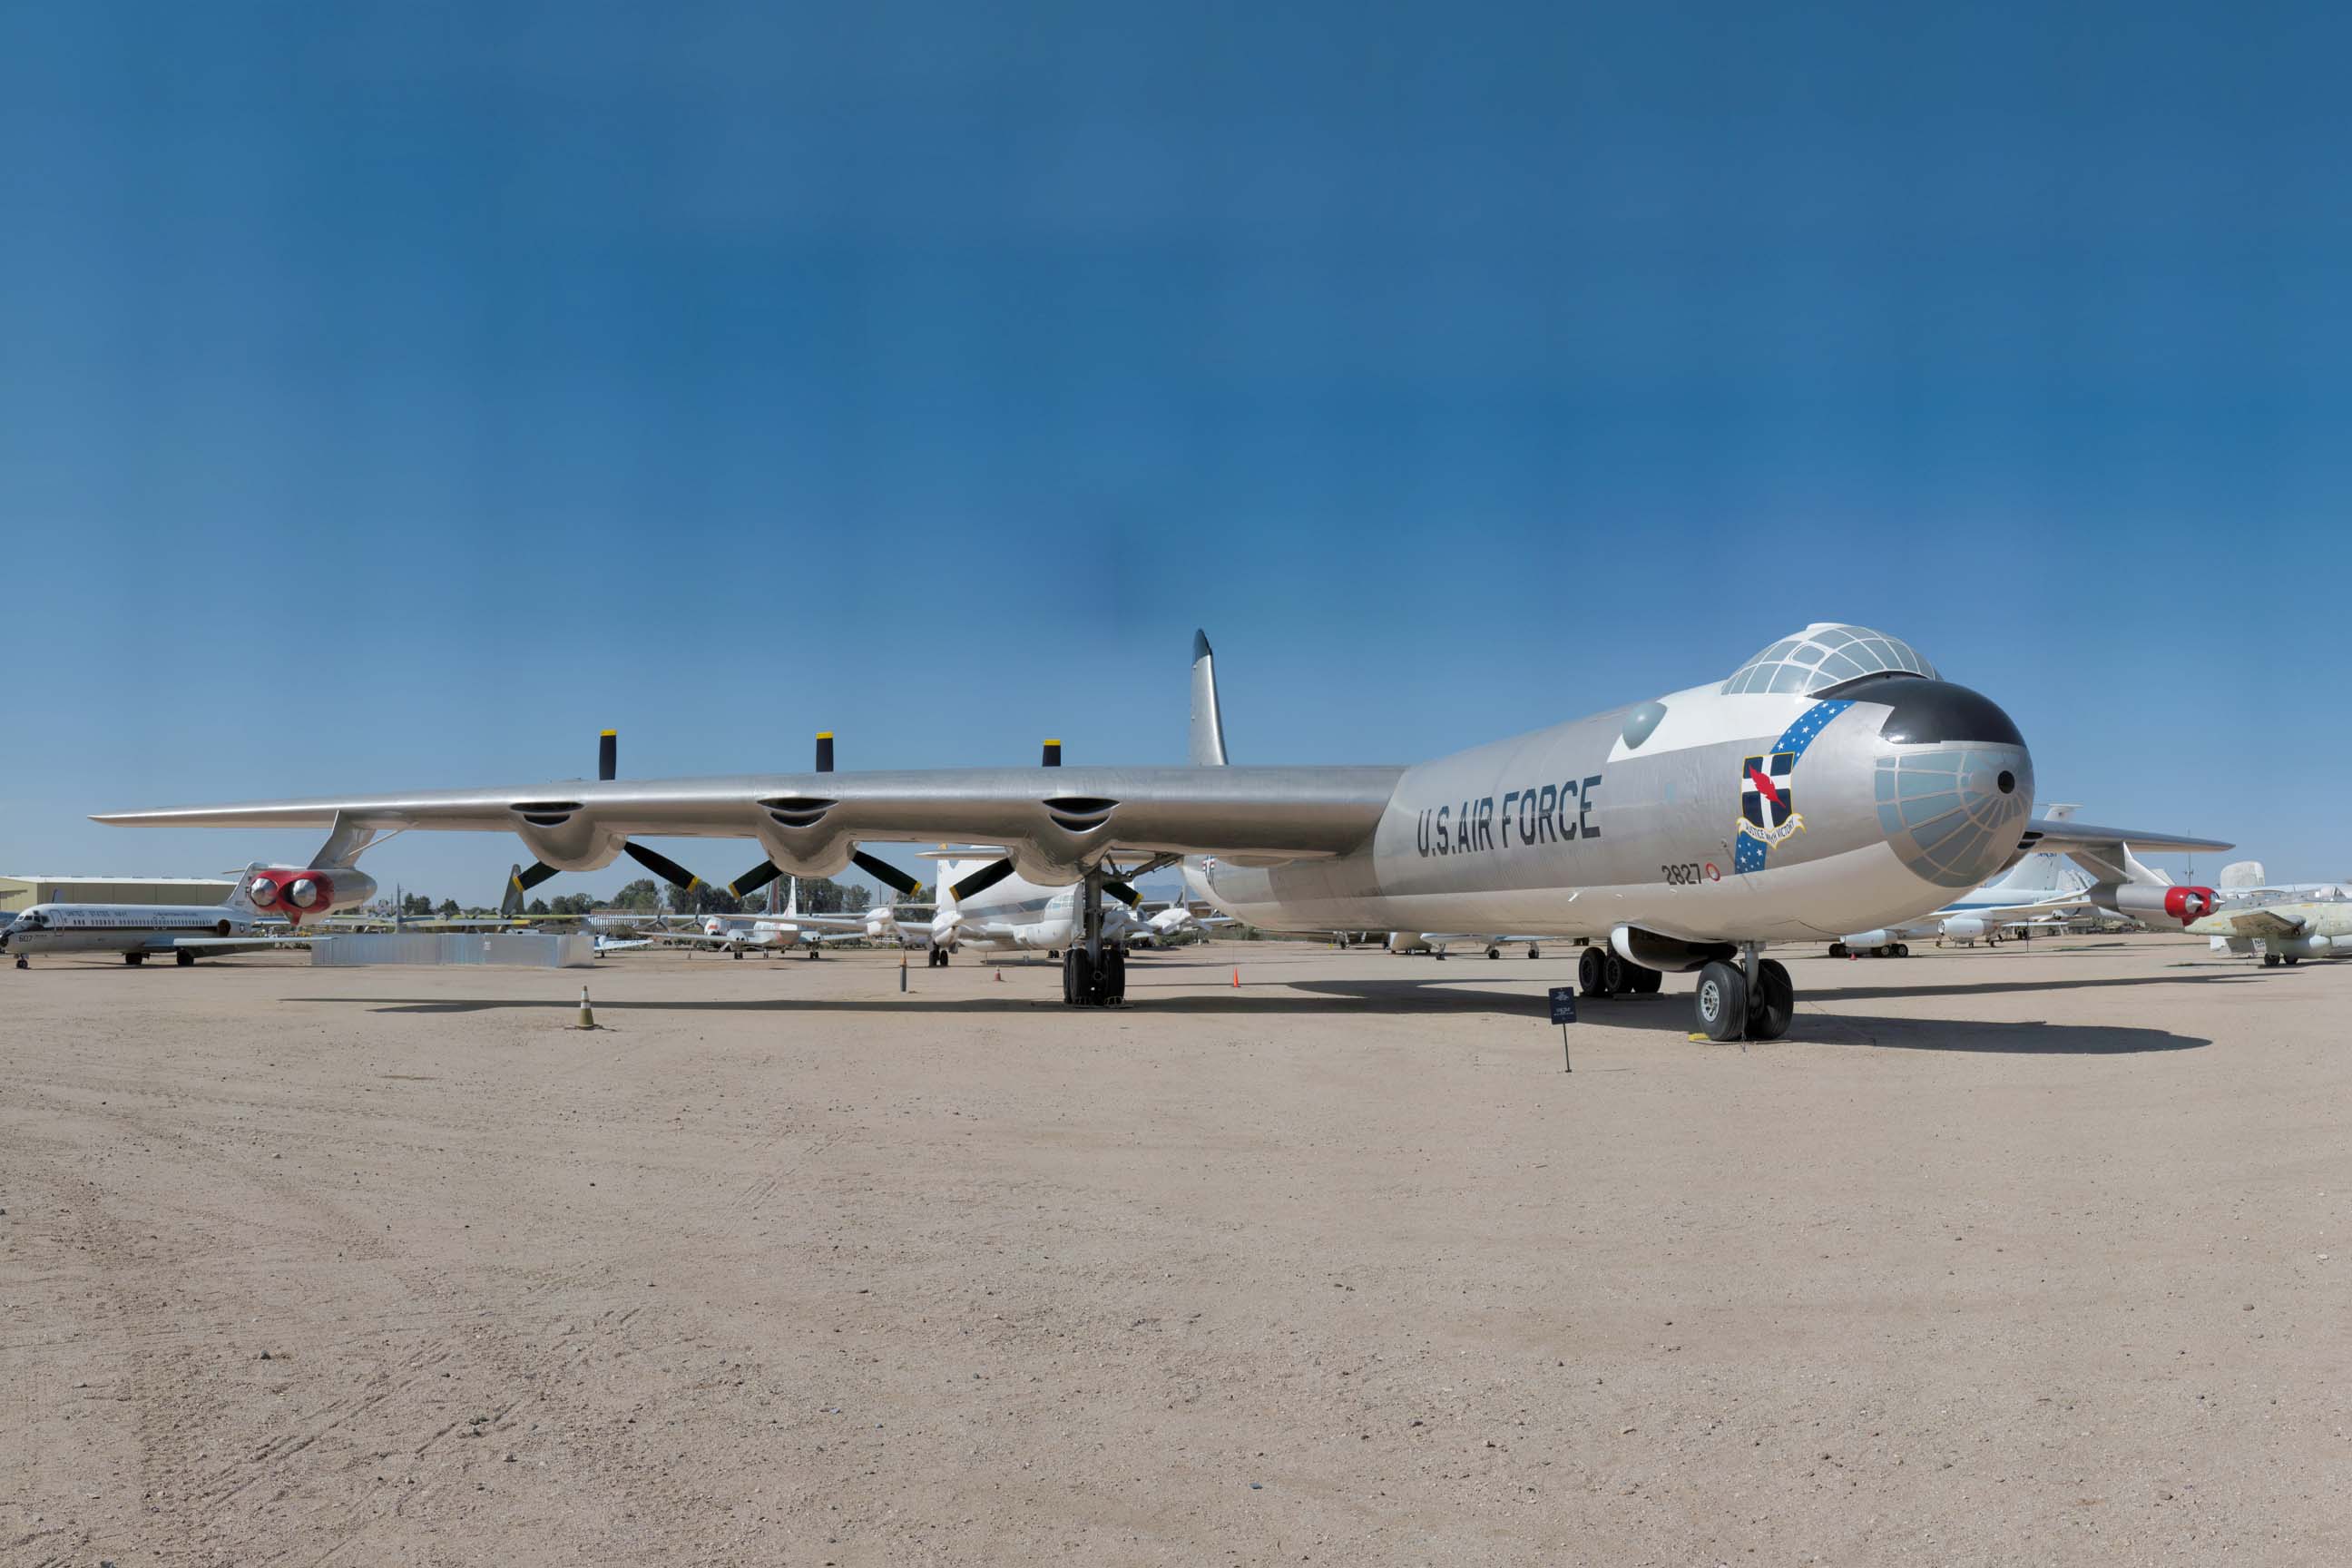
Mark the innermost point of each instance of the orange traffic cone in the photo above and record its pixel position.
(1237, 979)
(1000, 977)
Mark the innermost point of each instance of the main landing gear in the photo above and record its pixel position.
(938, 958)
(1094, 971)
(134, 959)
(1600, 973)
(1757, 1001)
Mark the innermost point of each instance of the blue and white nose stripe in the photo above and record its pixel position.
(1768, 803)
(1954, 813)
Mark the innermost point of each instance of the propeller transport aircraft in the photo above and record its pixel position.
(1011, 914)
(1835, 783)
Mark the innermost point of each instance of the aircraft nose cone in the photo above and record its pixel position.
(1954, 783)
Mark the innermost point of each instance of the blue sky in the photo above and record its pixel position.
(393, 396)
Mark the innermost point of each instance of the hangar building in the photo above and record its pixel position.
(18, 893)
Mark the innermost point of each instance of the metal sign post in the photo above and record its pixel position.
(1563, 1012)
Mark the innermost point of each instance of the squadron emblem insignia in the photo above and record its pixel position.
(1767, 804)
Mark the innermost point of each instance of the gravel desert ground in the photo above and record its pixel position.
(2025, 1255)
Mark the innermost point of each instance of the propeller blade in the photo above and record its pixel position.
(662, 865)
(987, 877)
(757, 878)
(608, 756)
(887, 874)
(1052, 758)
(1124, 893)
(824, 750)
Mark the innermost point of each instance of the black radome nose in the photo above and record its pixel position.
(1931, 712)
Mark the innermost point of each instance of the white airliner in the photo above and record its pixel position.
(187, 933)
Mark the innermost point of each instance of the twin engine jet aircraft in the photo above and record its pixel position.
(1835, 783)
(278, 898)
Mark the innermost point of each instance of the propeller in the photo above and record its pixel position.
(521, 880)
(987, 877)
(881, 870)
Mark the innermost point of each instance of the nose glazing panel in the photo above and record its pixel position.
(1954, 813)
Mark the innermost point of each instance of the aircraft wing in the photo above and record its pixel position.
(221, 946)
(2258, 923)
(2105, 852)
(1062, 817)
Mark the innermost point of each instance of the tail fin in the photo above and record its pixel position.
(240, 898)
(792, 899)
(2048, 872)
(1208, 749)
(510, 901)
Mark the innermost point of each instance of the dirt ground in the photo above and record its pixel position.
(2026, 1256)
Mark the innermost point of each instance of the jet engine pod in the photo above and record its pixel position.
(1654, 950)
(2154, 902)
(295, 891)
(1964, 928)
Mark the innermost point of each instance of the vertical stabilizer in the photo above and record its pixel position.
(1208, 750)
(2047, 872)
(240, 898)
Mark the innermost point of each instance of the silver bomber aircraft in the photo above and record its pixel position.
(1835, 783)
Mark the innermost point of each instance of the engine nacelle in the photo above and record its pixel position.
(2154, 902)
(1863, 941)
(296, 891)
(1669, 954)
(1963, 928)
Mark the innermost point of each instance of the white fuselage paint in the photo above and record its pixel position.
(120, 928)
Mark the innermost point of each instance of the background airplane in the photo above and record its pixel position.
(2038, 891)
(783, 929)
(2286, 933)
(183, 933)
(1010, 913)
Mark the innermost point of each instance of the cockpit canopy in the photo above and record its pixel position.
(1826, 654)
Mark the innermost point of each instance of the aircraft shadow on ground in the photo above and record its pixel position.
(1668, 1013)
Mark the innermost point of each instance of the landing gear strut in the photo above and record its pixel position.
(1754, 1000)
(1094, 971)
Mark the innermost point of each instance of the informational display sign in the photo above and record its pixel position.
(1563, 1004)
